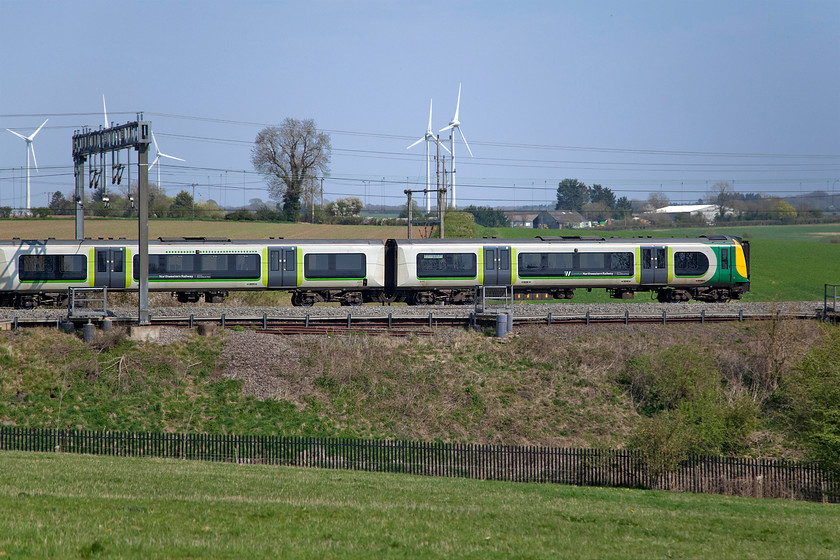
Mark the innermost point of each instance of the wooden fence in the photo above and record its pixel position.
(585, 467)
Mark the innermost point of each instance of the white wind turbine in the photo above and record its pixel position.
(29, 148)
(453, 124)
(428, 137)
(158, 155)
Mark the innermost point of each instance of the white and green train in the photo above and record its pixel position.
(418, 272)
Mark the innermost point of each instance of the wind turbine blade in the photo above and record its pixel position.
(447, 127)
(458, 105)
(32, 136)
(154, 162)
(157, 150)
(464, 138)
(19, 135)
(105, 111)
(170, 157)
(35, 161)
(406, 148)
(430, 115)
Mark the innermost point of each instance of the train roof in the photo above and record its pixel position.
(164, 241)
(539, 240)
(576, 240)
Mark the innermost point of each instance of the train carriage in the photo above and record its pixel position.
(34, 272)
(351, 272)
(707, 268)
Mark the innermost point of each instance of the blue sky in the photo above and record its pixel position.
(648, 96)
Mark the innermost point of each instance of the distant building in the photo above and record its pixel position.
(558, 219)
(547, 219)
(707, 211)
(521, 219)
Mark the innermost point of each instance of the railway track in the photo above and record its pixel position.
(396, 324)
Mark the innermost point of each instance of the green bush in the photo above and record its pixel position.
(663, 380)
(680, 391)
(810, 401)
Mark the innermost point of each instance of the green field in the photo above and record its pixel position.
(71, 506)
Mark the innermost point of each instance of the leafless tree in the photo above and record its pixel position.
(291, 156)
(657, 200)
(723, 196)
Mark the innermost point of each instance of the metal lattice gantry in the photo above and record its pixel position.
(135, 135)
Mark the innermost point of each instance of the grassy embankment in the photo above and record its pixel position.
(594, 389)
(71, 506)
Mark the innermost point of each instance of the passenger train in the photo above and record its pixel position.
(352, 272)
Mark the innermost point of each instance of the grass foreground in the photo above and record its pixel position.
(65, 506)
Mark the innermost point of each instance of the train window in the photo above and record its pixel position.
(102, 261)
(545, 264)
(204, 266)
(621, 261)
(447, 265)
(213, 263)
(724, 259)
(289, 260)
(243, 266)
(490, 259)
(592, 261)
(548, 265)
(606, 264)
(274, 260)
(504, 259)
(46, 268)
(335, 265)
(690, 263)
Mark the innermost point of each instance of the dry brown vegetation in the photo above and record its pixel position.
(715, 387)
(545, 386)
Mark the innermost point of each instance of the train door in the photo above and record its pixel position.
(725, 273)
(110, 267)
(282, 267)
(654, 265)
(497, 266)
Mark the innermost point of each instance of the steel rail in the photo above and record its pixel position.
(401, 325)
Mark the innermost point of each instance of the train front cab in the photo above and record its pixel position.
(734, 270)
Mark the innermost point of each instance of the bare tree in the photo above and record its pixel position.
(722, 195)
(657, 200)
(291, 156)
